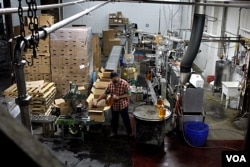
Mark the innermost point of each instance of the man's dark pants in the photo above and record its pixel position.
(125, 117)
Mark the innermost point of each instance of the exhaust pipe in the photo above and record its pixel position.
(194, 43)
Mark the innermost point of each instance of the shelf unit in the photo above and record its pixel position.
(119, 29)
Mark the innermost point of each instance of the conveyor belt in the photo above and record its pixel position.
(113, 59)
(42, 118)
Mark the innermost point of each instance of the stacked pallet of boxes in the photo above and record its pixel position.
(71, 57)
(40, 70)
(42, 93)
(109, 41)
(98, 113)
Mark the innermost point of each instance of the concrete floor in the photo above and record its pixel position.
(99, 150)
(224, 124)
(226, 131)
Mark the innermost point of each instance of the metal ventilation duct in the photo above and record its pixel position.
(194, 43)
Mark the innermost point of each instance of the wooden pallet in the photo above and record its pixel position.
(42, 112)
(40, 108)
(47, 97)
(42, 97)
(32, 91)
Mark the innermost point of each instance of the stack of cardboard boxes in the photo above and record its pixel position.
(40, 70)
(118, 23)
(109, 41)
(117, 18)
(98, 113)
(71, 58)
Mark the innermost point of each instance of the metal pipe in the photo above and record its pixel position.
(244, 29)
(23, 98)
(238, 28)
(40, 7)
(206, 34)
(66, 21)
(215, 4)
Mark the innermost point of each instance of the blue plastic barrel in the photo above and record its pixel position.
(196, 133)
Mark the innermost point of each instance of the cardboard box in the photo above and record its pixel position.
(45, 19)
(112, 15)
(158, 39)
(63, 105)
(105, 73)
(101, 78)
(100, 84)
(125, 21)
(119, 14)
(108, 34)
(44, 68)
(97, 92)
(96, 114)
(111, 21)
(120, 21)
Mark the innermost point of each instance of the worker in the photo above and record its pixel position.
(119, 91)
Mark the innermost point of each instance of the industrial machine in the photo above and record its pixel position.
(77, 122)
(174, 76)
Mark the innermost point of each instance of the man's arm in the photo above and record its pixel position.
(102, 96)
(125, 95)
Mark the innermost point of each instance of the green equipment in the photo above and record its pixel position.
(77, 121)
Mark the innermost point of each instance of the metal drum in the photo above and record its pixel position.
(222, 72)
(150, 129)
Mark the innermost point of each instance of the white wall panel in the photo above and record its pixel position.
(141, 13)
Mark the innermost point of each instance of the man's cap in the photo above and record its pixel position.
(113, 74)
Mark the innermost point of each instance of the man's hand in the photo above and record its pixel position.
(115, 97)
(94, 103)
